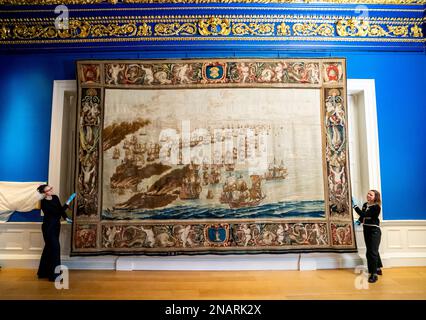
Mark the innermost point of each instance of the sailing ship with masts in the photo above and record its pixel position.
(210, 194)
(276, 172)
(153, 152)
(237, 194)
(214, 174)
(116, 153)
(191, 184)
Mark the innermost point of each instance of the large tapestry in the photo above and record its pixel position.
(212, 156)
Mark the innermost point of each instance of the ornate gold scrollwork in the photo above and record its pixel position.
(30, 32)
(265, 29)
(283, 29)
(399, 31)
(416, 31)
(160, 27)
(4, 32)
(214, 27)
(352, 28)
(144, 30)
(80, 28)
(173, 29)
(377, 31)
(361, 28)
(313, 29)
(129, 29)
(77, 29)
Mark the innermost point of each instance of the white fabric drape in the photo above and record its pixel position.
(18, 196)
(4, 215)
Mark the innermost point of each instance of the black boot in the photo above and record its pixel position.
(379, 272)
(373, 278)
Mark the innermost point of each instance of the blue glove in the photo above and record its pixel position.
(68, 220)
(71, 198)
(358, 223)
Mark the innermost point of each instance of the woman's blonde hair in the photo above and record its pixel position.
(377, 197)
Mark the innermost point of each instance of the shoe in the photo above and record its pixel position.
(379, 272)
(373, 278)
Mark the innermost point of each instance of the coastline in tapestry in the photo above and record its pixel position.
(212, 154)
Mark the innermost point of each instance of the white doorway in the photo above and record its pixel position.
(62, 138)
(363, 138)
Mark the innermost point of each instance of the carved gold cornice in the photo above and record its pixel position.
(192, 28)
(85, 2)
(200, 27)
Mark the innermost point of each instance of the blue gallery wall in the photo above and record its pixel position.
(26, 85)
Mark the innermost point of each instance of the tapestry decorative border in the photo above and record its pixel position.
(91, 235)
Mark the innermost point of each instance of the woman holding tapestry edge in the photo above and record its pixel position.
(53, 212)
(369, 217)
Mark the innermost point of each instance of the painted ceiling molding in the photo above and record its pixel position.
(138, 28)
(84, 2)
(277, 27)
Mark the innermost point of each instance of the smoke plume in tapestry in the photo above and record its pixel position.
(201, 153)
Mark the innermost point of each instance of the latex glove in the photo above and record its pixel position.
(71, 198)
(40, 196)
(68, 220)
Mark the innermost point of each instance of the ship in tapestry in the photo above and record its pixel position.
(212, 154)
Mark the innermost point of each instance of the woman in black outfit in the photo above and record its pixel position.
(53, 211)
(369, 217)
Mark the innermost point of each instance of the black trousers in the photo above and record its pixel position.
(372, 237)
(51, 256)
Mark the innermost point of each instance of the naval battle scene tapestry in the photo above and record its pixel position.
(212, 156)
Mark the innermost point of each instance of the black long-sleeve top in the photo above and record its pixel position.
(53, 210)
(369, 215)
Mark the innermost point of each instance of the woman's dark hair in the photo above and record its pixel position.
(41, 187)
(377, 197)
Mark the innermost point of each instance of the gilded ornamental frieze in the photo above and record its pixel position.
(175, 28)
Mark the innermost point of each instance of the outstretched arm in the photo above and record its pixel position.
(64, 210)
(64, 213)
(360, 212)
(66, 206)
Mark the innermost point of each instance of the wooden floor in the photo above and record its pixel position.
(396, 283)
